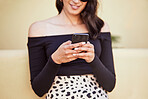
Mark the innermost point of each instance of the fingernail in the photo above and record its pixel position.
(69, 41)
(83, 43)
(74, 54)
(76, 48)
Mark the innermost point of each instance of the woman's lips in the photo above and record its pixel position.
(74, 7)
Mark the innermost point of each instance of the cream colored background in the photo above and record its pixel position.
(130, 66)
(127, 19)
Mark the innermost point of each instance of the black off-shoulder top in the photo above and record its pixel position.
(43, 69)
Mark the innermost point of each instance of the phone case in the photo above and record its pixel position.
(80, 37)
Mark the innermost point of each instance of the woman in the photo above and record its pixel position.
(62, 70)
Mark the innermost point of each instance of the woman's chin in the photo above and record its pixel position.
(75, 13)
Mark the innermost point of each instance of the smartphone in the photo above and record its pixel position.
(80, 37)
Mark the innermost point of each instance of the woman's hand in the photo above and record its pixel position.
(87, 52)
(65, 52)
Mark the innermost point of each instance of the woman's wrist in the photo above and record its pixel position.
(55, 59)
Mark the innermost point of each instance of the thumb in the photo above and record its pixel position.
(67, 42)
(88, 42)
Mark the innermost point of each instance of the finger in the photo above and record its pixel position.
(84, 56)
(78, 44)
(71, 46)
(71, 57)
(88, 42)
(89, 45)
(81, 55)
(67, 52)
(67, 42)
(84, 49)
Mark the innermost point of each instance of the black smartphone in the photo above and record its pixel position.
(80, 37)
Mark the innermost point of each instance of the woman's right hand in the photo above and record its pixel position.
(65, 52)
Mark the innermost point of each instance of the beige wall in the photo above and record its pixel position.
(130, 66)
(127, 19)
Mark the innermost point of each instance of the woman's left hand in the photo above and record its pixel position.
(86, 52)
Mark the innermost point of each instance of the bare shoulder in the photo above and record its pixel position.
(36, 29)
(40, 28)
(105, 28)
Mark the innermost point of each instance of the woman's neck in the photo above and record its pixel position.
(70, 19)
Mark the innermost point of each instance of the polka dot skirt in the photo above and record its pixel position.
(76, 87)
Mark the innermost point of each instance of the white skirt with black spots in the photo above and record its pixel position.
(76, 87)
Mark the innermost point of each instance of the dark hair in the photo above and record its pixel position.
(89, 17)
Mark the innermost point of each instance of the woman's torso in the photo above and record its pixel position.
(55, 34)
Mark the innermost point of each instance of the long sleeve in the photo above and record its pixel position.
(42, 69)
(103, 66)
